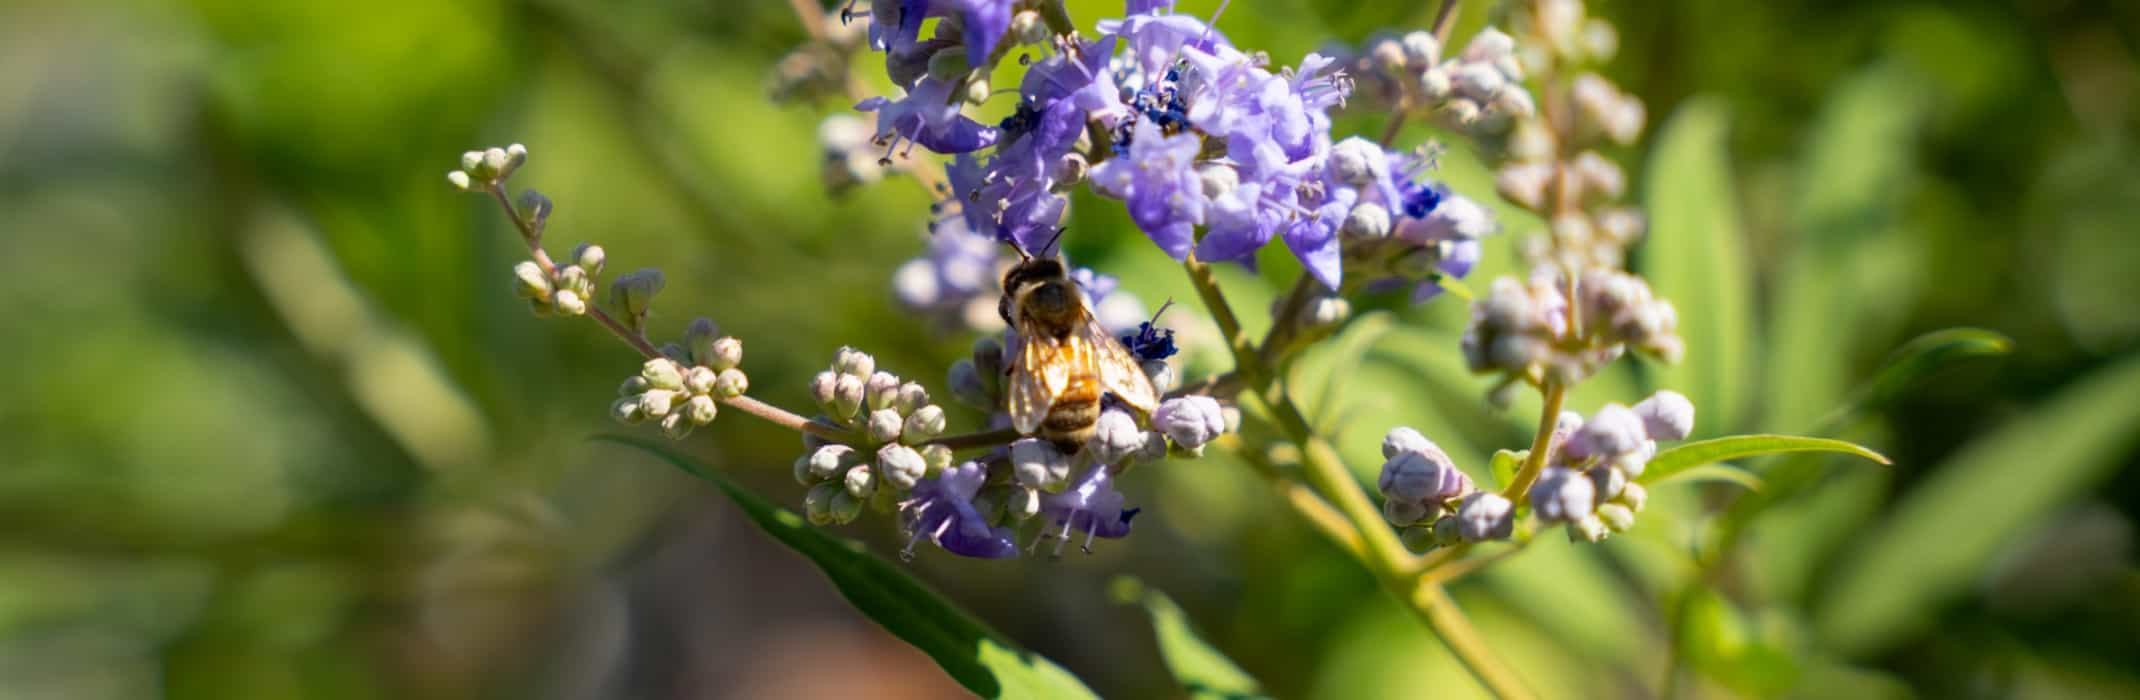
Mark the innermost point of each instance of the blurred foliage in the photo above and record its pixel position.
(275, 427)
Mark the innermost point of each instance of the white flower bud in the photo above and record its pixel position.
(911, 397)
(1154, 449)
(822, 387)
(1367, 220)
(1436, 83)
(1388, 56)
(884, 425)
(881, 389)
(516, 155)
(1401, 439)
(1162, 375)
(699, 380)
(1600, 40)
(937, 457)
(725, 354)
(1115, 437)
(1524, 183)
(851, 361)
(1607, 481)
(494, 165)
(529, 281)
(1028, 29)
(978, 90)
(1634, 496)
(1514, 102)
(924, 423)
(1327, 310)
(1357, 161)
(829, 461)
(1666, 415)
(1071, 169)
(1599, 174)
(1488, 46)
(1478, 81)
(1588, 528)
(1191, 421)
(626, 410)
(847, 395)
(1421, 49)
(589, 257)
(902, 466)
(460, 180)
(662, 373)
(655, 403)
(731, 383)
(861, 482)
(1616, 517)
(701, 409)
(676, 425)
(1613, 430)
(1036, 463)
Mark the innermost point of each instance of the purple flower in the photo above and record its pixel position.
(958, 266)
(1562, 494)
(1191, 421)
(984, 22)
(1093, 505)
(941, 509)
(1150, 342)
(1145, 7)
(1485, 516)
(1157, 178)
(928, 116)
(1666, 415)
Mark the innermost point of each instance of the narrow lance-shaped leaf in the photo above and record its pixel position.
(975, 656)
(1694, 454)
(1914, 361)
(1947, 529)
(1201, 669)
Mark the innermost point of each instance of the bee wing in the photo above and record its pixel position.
(1119, 371)
(1039, 372)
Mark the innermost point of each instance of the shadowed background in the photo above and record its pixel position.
(275, 426)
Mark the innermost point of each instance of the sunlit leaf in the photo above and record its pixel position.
(1950, 526)
(1694, 454)
(1202, 670)
(975, 656)
(1716, 639)
(1715, 472)
(1695, 255)
(1505, 464)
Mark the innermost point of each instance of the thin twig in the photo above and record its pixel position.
(986, 438)
(1541, 444)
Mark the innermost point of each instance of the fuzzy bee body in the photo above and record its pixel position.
(1064, 363)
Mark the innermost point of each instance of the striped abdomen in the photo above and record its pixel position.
(1072, 415)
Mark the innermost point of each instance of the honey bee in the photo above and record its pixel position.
(1064, 362)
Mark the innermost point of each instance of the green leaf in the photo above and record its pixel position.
(1916, 360)
(1715, 472)
(1204, 671)
(1329, 368)
(1717, 639)
(1694, 454)
(1695, 255)
(1946, 530)
(1505, 464)
(974, 655)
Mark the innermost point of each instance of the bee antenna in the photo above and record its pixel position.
(1044, 248)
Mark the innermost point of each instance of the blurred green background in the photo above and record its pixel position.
(275, 426)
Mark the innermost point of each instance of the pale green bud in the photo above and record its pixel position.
(924, 423)
(936, 457)
(1446, 532)
(884, 425)
(1634, 495)
(590, 256)
(847, 396)
(861, 482)
(845, 508)
(902, 466)
(726, 353)
(471, 161)
(676, 425)
(1029, 29)
(1617, 517)
(1588, 528)
(569, 303)
(817, 504)
(822, 387)
(495, 164)
(851, 361)
(529, 282)
(830, 460)
(655, 403)
(459, 180)
(977, 89)
(701, 409)
(662, 373)
(699, 380)
(626, 410)
(911, 398)
(881, 389)
(1417, 538)
(731, 383)
(516, 155)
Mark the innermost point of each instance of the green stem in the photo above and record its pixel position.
(1379, 551)
(1541, 444)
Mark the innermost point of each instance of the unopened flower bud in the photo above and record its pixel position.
(817, 504)
(1407, 513)
(883, 425)
(1388, 56)
(701, 409)
(677, 425)
(1524, 184)
(1484, 516)
(1357, 161)
(847, 395)
(910, 398)
(1479, 81)
(634, 291)
(1435, 83)
(851, 361)
(1562, 494)
(529, 281)
(655, 403)
(966, 385)
(495, 163)
(988, 357)
(626, 410)
(460, 180)
(1036, 463)
(516, 155)
(1154, 449)
(1115, 437)
(1401, 439)
(1417, 538)
(1634, 496)
(924, 423)
(1613, 430)
(803, 474)
(698, 339)
(822, 387)
(1028, 29)
(1588, 528)
(829, 461)
(1608, 481)
(1666, 415)
(1426, 477)
(1327, 311)
(535, 210)
(1162, 375)
(1421, 49)
(662, 373)
(1447, 531)
(881, 389)
(937, 457)
(1191, 421)
(1071, 169)
(861, 482)
(978, 89)
(731, 383)
(1600, 40)
(589, 256)
(699, 380)
(1514, 102)
(1617, 517)
(902, 466)
(1367, 220)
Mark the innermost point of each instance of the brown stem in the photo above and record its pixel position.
(1444, 21)
(788, 419)
(986, 438)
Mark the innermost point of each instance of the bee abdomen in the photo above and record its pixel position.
(1071, 417)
